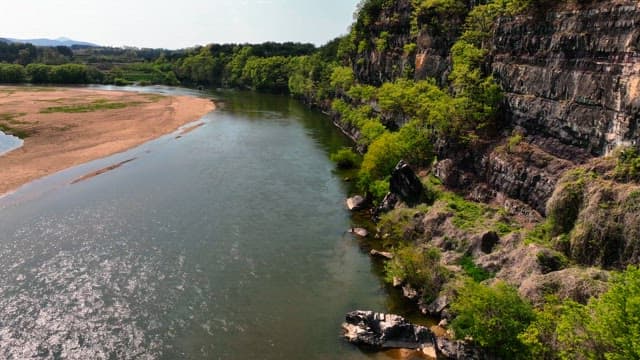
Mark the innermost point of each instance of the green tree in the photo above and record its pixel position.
(12, 73)
(492, 316)
(267, 74)
(617, 316)
(382, 156)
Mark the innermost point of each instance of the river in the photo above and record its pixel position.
(225, 243)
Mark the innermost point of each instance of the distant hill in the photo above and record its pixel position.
(61, 41)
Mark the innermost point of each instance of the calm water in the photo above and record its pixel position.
(225, 243)
(9, 142)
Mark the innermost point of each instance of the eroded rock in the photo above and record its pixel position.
(382, 254)
(356, 203)
(362, 232)
(385, 331)
(405, 184)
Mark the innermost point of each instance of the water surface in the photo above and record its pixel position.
(9, 143)
(226, 243)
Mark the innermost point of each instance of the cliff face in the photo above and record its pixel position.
(573, 73)
(384, 58)
(571, 78)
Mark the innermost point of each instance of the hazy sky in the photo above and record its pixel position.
(177, 23)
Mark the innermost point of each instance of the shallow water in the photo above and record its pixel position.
(226, 243)
(9, 143)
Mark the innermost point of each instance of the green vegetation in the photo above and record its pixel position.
(345, 158)
(606, 328)
(418, 267)
(628, 167)
(473, 271)
(8, 122)
(492, 316)
(12, 73)
(96, 105)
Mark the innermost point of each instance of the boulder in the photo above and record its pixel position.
(437, 306)
(458, 350)
(488, 241)
(382, 254)
(356, 203)
(405, 184)
(388, 203)
(385, 331)
(409, 292)
(359, 231)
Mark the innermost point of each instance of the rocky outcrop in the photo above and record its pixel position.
(523, 171)
(383, 57)
(576, 284)
(571, 72)
(458, 350)
(385, 331)
(405, 184)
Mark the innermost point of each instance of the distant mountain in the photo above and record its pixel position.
(61, 41)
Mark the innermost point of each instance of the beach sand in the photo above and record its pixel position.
(60, 137)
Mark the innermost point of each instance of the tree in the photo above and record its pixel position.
(492, 316)
(12, 73)
(267, 74)
(617, 316)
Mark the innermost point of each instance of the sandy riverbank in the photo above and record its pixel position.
(67, 127)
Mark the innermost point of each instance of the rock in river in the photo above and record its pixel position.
(355, 203)
(359, 231)
(385, 331)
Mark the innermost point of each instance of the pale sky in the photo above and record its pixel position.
(177, 23)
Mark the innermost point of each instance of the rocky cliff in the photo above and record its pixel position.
(570, 72)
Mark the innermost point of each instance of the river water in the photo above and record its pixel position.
(9, 143)
(225, 243)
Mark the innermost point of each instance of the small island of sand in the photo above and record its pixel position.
(64, 127)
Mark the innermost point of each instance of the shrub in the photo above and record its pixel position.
(606, 328)
(628, 167)
(345, 158)
(493, 317)
(418, 267)
(564, 206)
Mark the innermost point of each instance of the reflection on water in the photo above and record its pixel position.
(228, 243)
(9, 143)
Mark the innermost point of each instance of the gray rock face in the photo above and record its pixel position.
(573, 72)
(405, 184)
(528, 173)
(458, 350)
(384, 331)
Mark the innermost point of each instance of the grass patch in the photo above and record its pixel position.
(7, 122)
(96, 105)
(154, 97)
(472, 270)
(11, 118)
(22, 134)
(468, 215)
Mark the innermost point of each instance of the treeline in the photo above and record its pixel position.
(24, 54)
(50, 74)
(263, 67)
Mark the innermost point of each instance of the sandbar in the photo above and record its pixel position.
(65, 127)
